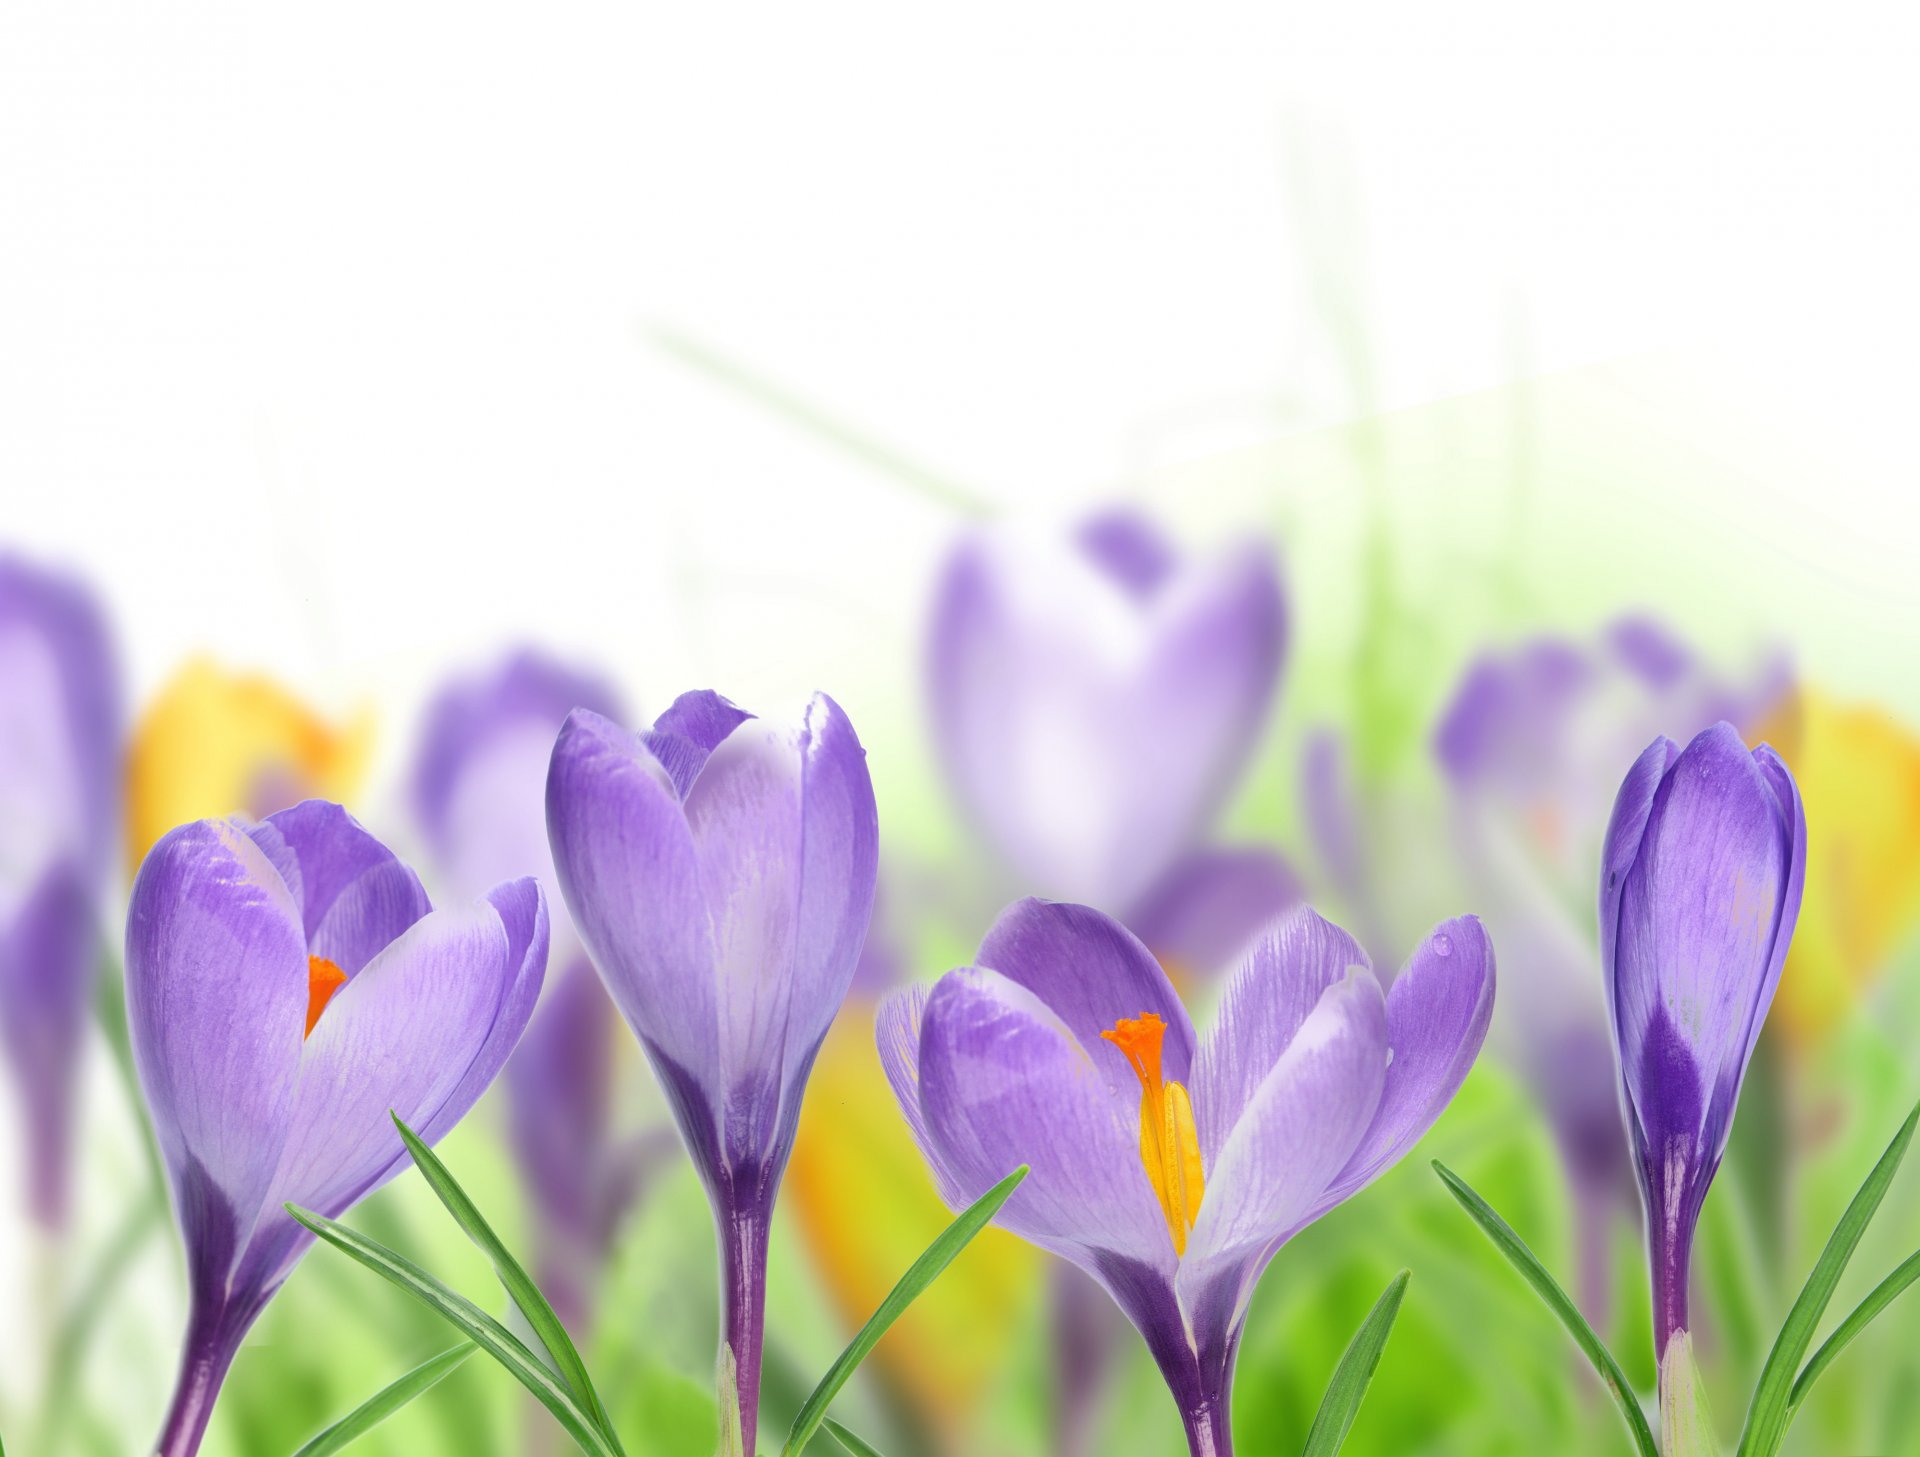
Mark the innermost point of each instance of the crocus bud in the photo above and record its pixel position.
(1699, 889)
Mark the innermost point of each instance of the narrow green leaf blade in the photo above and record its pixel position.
(513, 1278)
(1884, 1294)
(384, 1403)
(1772, 1405)
(1548, 1289)
(1355, 1372)
(472, 1322)
(923, 1272)
(840, 1434)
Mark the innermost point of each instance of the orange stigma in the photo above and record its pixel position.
(1169, 1144)
(323, 980)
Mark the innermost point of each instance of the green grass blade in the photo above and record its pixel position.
(514, 1279)
(840, 1434)
(1548, 1289)
(1884, 1294)
(384, 1403)
(473, 1323)
(1772, 1407)
(1355, 1372)
(923, 1272)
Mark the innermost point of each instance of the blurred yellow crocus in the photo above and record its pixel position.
(1859, 776)
(867, 1210)
(216, 743)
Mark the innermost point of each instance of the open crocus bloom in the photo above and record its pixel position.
(720, 868)
(1169, 1169)
(59, 780)
(288, 985)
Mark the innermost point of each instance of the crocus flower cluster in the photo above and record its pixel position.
(1170, 1169)
(1700, 885)
(288, 986)
(478, 789)
(1060, 667)
(60, 724)
(720, 869)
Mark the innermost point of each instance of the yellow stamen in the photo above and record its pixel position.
(323, 980)
(1169, 1145)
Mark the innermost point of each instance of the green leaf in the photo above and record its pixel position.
(923, 1272)
(472, 1322)
(1548, 1289)
(840, 1434)
(1772, 1405)
(1884, 1294)
(1355, 1372)
(383, 1404)
(514, 1279)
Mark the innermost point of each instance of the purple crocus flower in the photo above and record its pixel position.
(1172, 1170)
(60, 722)
(288, 985)
(1060, 667)
(479, 795)
(1699, 890)
(721, 870)
(1529, 745)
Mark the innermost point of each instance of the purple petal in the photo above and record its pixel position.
(1509, 712)
(1201, 917)
(1296, 1132)
(1090, 971)
(839, 864)
(1284, 977)
(1330, 807)
(1651, 651)
(691, 729)
(1004, 1082)
(1130, 549)
(1437, 1017)
(355, 895)
(216, 1006)
(631, 877)
(560, 1090)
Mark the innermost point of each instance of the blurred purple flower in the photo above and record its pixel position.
(479, 794)
(1095, 701)
(287, 985)
(1699, 890)
(1529, 745)
(721, 871)
(1065, 1048)
(60, 725)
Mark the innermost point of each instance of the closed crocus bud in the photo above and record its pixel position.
(59, 778)
(720, 869)
(1700, 886)
(288, 988)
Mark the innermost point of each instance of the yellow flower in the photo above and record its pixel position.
(1859, 777)
(218, 743)
(867, 1209)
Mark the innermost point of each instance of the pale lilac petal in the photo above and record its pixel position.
(628, 869)
(216, 1006)
(897, 1029)
(1284, 976)
(1437, 1017)
(1296, 1132)
(1091, 971)
(355, 895)
(839, 862)
(1130, 549)
(694, 726)
(1004, 1082)
(1202, 915)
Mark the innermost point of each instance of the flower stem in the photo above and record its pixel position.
(206, 1354)
(1209, 1433)
(743, 1282)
